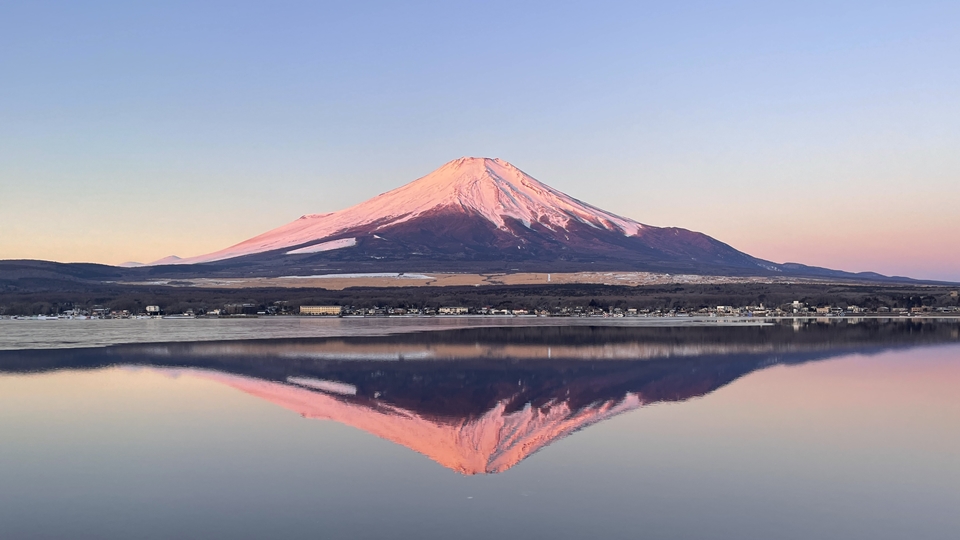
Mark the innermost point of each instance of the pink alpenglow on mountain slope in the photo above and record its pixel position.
(491, 188)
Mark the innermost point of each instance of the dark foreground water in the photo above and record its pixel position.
(806, 430)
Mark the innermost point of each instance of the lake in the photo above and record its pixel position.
(585, 429)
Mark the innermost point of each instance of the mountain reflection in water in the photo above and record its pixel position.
(482, 400)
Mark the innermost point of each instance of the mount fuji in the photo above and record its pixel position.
(479, 215)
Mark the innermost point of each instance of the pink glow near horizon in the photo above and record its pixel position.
(917, 240)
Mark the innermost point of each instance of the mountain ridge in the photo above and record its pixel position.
(481, 214)
(472, 215)
(487, 187)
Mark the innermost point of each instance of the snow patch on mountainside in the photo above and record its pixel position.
(491, 188)
(325, 246)
(335, 387)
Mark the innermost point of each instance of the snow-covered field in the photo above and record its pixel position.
(434, 279)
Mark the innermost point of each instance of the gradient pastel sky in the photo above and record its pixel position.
(826, 134)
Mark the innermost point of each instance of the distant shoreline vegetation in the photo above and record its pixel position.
(738, 299)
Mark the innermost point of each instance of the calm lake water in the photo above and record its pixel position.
(797, 430)
(74, 333)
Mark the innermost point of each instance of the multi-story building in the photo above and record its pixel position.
(321, 310)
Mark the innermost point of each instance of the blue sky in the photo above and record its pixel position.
(824, 133)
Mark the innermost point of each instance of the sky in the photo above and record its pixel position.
(825, 133)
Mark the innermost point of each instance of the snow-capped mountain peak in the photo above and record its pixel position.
(491, 188)
(496, 190)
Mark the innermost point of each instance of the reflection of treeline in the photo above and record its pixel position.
(54, 297)
(800, 332)
(452, 389)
